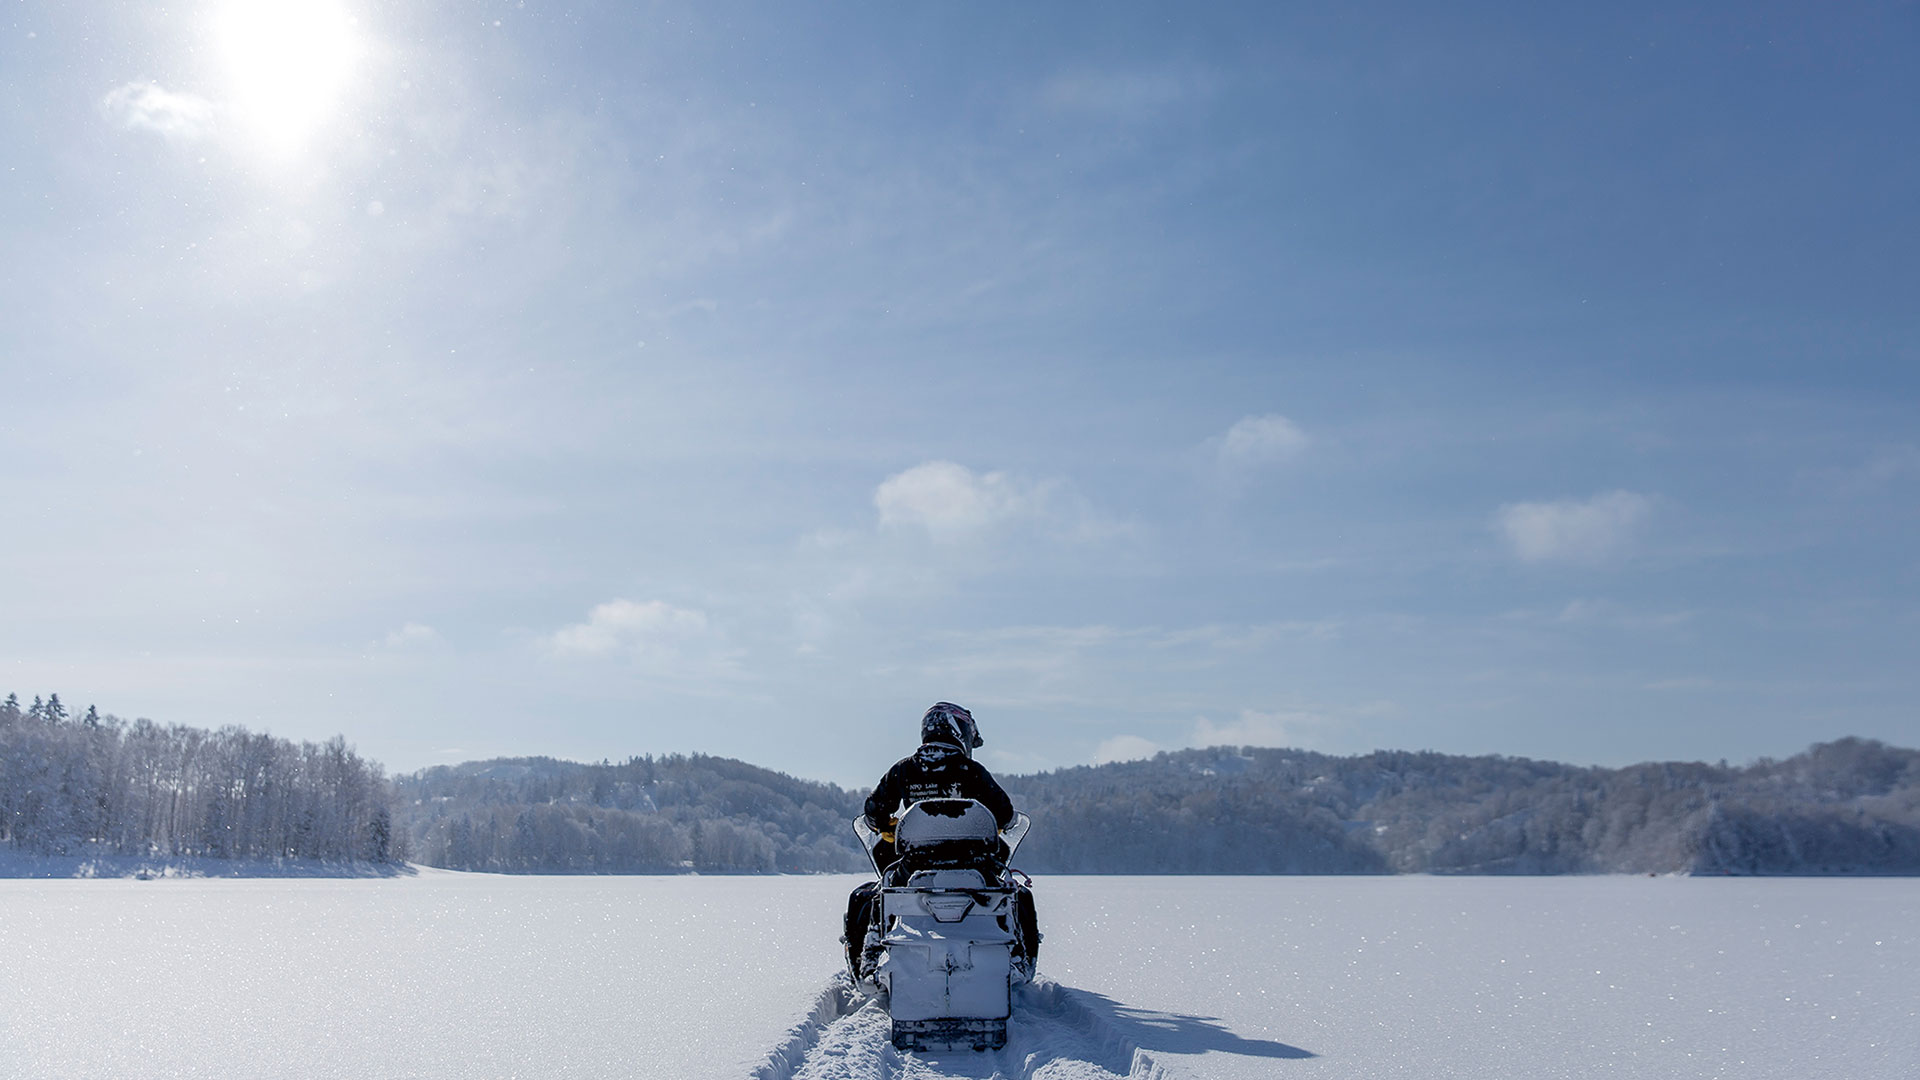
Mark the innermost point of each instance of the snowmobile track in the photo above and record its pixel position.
(1054, 1034)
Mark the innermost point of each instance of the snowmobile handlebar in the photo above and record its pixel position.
(1015, 832)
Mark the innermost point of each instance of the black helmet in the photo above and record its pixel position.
(949, 723)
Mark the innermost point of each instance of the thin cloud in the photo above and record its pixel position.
(1257, 441)
(1887, 467)
(1891, 464)
(1581, 611)
(1024, 657)
(1685, 682)
(413, 636)
(1573, 530)
(1006, 762)
(151, 107)
(1128, 95)
(1254, 728)
(1124, 748)
(1282, 728)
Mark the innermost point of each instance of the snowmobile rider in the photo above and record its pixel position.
(943, 768)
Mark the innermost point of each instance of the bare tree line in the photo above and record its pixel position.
(96, 784)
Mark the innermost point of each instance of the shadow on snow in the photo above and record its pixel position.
(1129, 1038)
(844, 1037)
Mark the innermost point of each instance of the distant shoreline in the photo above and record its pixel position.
(22, 865)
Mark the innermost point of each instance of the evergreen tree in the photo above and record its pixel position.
(380, 836)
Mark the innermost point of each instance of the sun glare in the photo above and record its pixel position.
(287, 64)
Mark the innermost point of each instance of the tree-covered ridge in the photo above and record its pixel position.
(1851, 806)
(642, 815)
(99, 785)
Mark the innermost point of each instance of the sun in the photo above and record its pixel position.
(287, 65)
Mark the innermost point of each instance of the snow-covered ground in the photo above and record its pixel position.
(459, 975)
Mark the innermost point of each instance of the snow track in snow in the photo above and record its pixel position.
(1055, 1033)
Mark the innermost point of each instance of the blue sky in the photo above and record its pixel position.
(597, 379)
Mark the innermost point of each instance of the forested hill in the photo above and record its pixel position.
(1847, 807)
(643, 815)
(92, 784)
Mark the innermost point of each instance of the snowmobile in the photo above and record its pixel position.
(952, 932)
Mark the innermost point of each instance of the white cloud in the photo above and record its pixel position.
(1573, 530)
(1124, 748)
(1256, 729)
(951, 501)
(1270, 439)
(628, 626)
(151, 107)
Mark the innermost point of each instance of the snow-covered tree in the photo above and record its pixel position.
(104, 785)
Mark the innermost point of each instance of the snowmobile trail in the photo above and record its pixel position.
(1052, 1035)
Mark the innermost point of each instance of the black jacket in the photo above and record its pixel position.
(937, 771)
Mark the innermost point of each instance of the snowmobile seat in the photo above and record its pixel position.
(948, 879)
(947, 834)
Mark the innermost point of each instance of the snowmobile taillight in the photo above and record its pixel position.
(948, 907)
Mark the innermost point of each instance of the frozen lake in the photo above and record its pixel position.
(457, 975)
